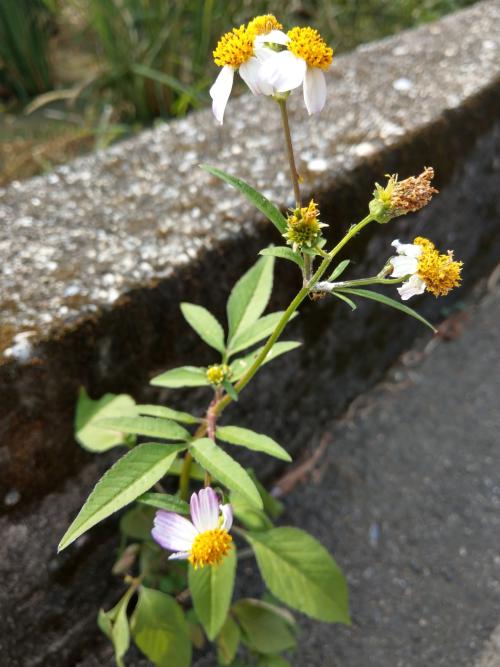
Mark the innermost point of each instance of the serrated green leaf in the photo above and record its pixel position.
(242, 364)
(212, 590)
(87, 434)
(131, 476)
(284, 252)
(264, 629)
(152, 427)
(339, 270)
(387, 301)
(345, 299)
(160, 629)
(184, 376)
(300, 572)
(250, 296)
(272, 212)
(228, 642)
(164, 501)
(225, 469)
(258, 442)
(167, 413)
(260, 329)
(205, 324)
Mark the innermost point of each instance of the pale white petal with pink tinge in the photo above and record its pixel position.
(173, 532)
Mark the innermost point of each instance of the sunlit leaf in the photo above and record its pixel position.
(212, 590)
(151, 427)
(205, 325)
(165, 501)
(225, 469)
(300, 572)
(131, 476)
(88, 411)
(250, 296)
(236, 435)
(284, 252)
(160, 629)
(184, 376)
(167, 413)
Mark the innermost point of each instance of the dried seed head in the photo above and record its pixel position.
(402, 197)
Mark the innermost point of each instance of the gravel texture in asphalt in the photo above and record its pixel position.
(408, 499)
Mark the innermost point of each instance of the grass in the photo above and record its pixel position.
(138, 60)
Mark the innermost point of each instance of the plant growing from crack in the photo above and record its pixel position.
(172, 604)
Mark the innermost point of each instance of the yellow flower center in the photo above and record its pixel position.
(210, 547)
(439, 271)
(234, 48)
(307, 43)
(262, 25)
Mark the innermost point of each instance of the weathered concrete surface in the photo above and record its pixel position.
(451, 126)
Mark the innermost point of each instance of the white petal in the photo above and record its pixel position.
(273, 37)
(314, 89)
(284, 71)
(251, 74)
(408, 249)
(179, 555)
(415, 285)
(220, 92)
(227, 513)
(173, 532)
(208, 518)
(403, 266)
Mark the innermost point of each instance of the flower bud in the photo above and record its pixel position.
(303, 227)
(217, 373)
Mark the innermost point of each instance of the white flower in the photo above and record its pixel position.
(304, 62)
(245, 50)
(203, 541)
(406, 264)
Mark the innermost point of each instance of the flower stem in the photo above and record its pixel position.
(289, 149)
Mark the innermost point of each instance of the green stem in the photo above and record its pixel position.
(289, 149)
(239, 386)
(368, 281)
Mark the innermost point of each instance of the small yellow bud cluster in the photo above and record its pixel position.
(303, 227)
(262, 25)
(440, 272)
(236, 47)
(217, 373)
(402, 197)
